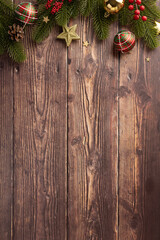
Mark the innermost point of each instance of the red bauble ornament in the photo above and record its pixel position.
(144, 18)
(138, 2)
(130, 7)
(142, 8)
(137, 12)
(26, 13)
(136, 17)
(131, 1)
(124, 41)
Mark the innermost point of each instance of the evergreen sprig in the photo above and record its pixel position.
(15, 49)
(70, 9)
(143, 29)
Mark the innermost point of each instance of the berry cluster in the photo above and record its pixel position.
(139, 7)
(55, 6)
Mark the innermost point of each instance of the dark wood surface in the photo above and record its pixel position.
(80, 141)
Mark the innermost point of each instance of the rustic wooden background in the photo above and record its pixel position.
(80, 141)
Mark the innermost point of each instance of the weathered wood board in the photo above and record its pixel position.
(80, 141)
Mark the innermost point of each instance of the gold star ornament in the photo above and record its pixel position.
(69, 34)
(46, 19)
(85, 44)
(148, 59)
(157, 27)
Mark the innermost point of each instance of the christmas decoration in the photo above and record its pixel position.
(16, 32)
(113, 6)
(137, 5)
(148, 59)
(124, 41)
(85, 44)
(26, 13)
(69, 34)
(157, 27)
(140, 16)
(46, 19)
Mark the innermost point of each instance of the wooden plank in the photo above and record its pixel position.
(6, 146)
(151, 148)
(92, 137)
(40, 86)
(130, 144)
(139, 171)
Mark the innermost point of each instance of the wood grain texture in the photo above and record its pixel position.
(40, 86)
(92, 138)
(133, 100)
(139, 171)
(151, 148)
(100, 180)
(6, 148)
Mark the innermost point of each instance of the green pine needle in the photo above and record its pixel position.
(16, 51)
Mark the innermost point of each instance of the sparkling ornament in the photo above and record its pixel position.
(157, 27)
(124, 41)
(113, 6)
(26, 13)
(46, 19)
(85, 44)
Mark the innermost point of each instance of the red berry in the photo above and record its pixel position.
(138, 2)
(142, 8)
(131, 1)
(130, 7)
(137, 12)
(144, 18)
(136, 17)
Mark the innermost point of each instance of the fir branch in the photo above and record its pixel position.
(125, 15)
(85, 7)
(74, 8)
(7, 6)
(42, 30)
(100, 23)
(151, 10)
(63, 15)
(16, 51)
(150, 37)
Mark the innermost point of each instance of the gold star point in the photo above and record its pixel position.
(46, 19)
(148, 59)
(85, 44)
(157, 27)
(69, 34)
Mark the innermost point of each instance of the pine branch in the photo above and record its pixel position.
(74, 8)
(150, 37)
(16, 51)
(63, 16)
(7, 6)
(85, 7)
(42, 30)
(101, 24)
(125, 15)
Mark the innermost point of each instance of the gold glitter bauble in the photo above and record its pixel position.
(113, 6)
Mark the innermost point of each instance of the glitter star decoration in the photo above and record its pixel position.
(157, 27)
(69, 34)
(85, 44)
(46, 19)
(148, 59)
